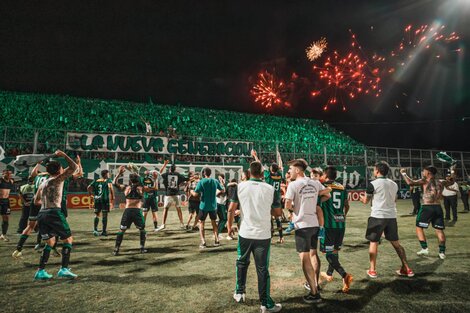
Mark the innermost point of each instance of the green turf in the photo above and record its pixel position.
(175, 276)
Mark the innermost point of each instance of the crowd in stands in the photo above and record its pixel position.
(53, 115)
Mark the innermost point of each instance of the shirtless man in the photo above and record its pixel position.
(431, 210)
(51, 219)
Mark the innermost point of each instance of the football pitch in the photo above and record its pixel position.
(176, 276)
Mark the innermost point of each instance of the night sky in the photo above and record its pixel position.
(208, 53)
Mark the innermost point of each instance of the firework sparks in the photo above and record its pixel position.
(269, 91)
(316, 49)
(347, 77)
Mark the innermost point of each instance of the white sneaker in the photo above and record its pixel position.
(4, 237)
(229, 237)
(161, 227)
(276, 308)
(155, 230)
(423, 252)
(17, 254)
(239, 297)
(220, 237)
(442, 256)
(182, 226)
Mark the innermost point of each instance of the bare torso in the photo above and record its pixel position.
(52, 193)
(432, 191)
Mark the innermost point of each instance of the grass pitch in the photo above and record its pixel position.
(175, 276)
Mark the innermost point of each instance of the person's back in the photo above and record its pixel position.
(255, 199)
(384, 193)
(208, 190)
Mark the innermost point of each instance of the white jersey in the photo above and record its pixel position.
(384, 195)
(255, 198)
(304, 195)
(448, 193)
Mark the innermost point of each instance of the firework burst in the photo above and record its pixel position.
(316, 49)
(269, 91)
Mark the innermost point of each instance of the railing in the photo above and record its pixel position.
(22, 140)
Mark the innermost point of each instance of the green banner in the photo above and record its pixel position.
(155, 144)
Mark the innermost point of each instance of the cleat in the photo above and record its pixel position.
(161, 227)
(202, 245)
(37, 247)
(17, 254)
(182, 226)
(423, 252)
(347, 281)
(220, 237)
(66, 273)
(307, 286)
(116, 252)
(4, 237)
(155, 230)
(280, 240)
(56, 253)
(104, 233)
(276, 308)
(229, 237)
(372, 274)
(442, 255)
(143, 250)
(404, 272)
(324, 277)
(239, 297)
(42, 275)
(217, 244)
(310, 299)
(96, 233)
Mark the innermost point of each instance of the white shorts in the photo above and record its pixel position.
(170, 200)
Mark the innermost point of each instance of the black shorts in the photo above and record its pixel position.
(193, 206)
(276, 203)
(132, 215)
(52, 223)
(63, 207)
(102, 207)
(333, 240)
(202, 215)
(150, 204)
(306, 239)
(5, 207)
(377, 226)
(33, 212)
(430, 213)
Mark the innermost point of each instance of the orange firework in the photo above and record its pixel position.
(269, 91)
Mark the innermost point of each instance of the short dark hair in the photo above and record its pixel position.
(206, 171)
(256, 168)
(53, 167)
(330, 172)
(275, 167)
(104, 173)
(222, 175)
(247, 173)
(134, 179)
(300, 163)
(233, 180)
(431, 169)
(382, 167)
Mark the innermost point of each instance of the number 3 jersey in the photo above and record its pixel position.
(333, 208)
(275, 180)
(101, 190)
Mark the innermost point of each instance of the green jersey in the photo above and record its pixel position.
(39, 179)
(101, 190)
(148, 181)
(333, 208)
(65, 189)
(274, 179)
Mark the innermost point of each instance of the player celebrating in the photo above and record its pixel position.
(172, 181)
(256, 199)
(193, 202)
(208, 188)
(335, 210)
(273, 176)
(102, 192)
(431, 210)
(132, 213)
(51, 219)
(6, 185)
(301, 200)
(150, 198)
(383, 218)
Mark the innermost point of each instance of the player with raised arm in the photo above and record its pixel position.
(431, 210)
(133, 213)
(51, 219)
